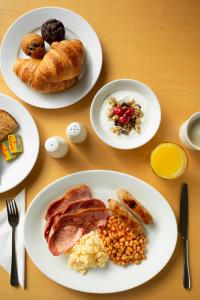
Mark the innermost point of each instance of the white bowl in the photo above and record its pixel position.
(130, 89)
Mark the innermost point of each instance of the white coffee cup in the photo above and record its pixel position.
(185, 132)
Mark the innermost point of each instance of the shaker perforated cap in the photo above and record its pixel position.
(76, 132)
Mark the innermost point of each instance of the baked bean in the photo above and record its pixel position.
(117, 245)
(118, 258)
(119, 234)
(138, 248)
(136, 256)
(121, 249)
(130, 249)
(131, 243)
(127, 243)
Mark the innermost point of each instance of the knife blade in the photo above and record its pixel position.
(184, 235)
(184, 211)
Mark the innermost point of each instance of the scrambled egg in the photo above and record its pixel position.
(88, 253)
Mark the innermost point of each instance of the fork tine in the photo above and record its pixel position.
(10, 207)
(15, 205)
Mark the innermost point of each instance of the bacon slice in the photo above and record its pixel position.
(132, 222)
(79, 205)
(134, 206)
(73, 207)
(70, 227)
(78, 192)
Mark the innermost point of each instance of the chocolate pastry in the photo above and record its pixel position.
(33, 45)
(53, 31)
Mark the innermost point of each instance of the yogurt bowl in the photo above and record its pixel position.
(124, 90)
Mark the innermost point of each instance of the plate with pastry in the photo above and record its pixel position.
(18, 152)
(50, 57)
(100, 231)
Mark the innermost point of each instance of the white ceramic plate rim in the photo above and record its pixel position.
(36, 144)
(121, 146)
(102, 172)
(23, 97)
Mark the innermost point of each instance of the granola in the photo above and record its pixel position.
(126, 116)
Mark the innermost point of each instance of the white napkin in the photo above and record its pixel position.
(6, 239)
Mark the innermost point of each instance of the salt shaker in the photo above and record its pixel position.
(76, 132)
(56, 147)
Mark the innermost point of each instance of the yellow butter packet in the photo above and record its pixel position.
(5, 150)
(15, 143)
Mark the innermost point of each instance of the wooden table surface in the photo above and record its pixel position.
(157, 42)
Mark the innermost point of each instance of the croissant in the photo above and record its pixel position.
(57, 71)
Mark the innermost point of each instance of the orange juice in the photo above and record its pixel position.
(168, 160)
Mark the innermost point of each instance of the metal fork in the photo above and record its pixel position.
(13, 220)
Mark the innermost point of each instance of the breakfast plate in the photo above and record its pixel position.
(14, 171)
(123, 91)
(75, 28)
(162, 235)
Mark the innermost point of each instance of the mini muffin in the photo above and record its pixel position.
(33, 45)
(53, 31)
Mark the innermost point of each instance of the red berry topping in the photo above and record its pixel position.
(123, 120)
(129, 112)
(118, 111)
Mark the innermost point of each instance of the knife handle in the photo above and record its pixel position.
(186, 269)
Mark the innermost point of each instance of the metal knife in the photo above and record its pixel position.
(184, 235)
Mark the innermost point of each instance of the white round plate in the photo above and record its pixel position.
(76, 27)
(14, 171)
(162, 235)
(125, 88)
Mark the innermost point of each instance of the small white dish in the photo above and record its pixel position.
(76, 28)
(120, 89)
(162, 236)
(15, 171)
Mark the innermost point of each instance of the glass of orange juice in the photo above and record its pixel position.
(168, 160)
